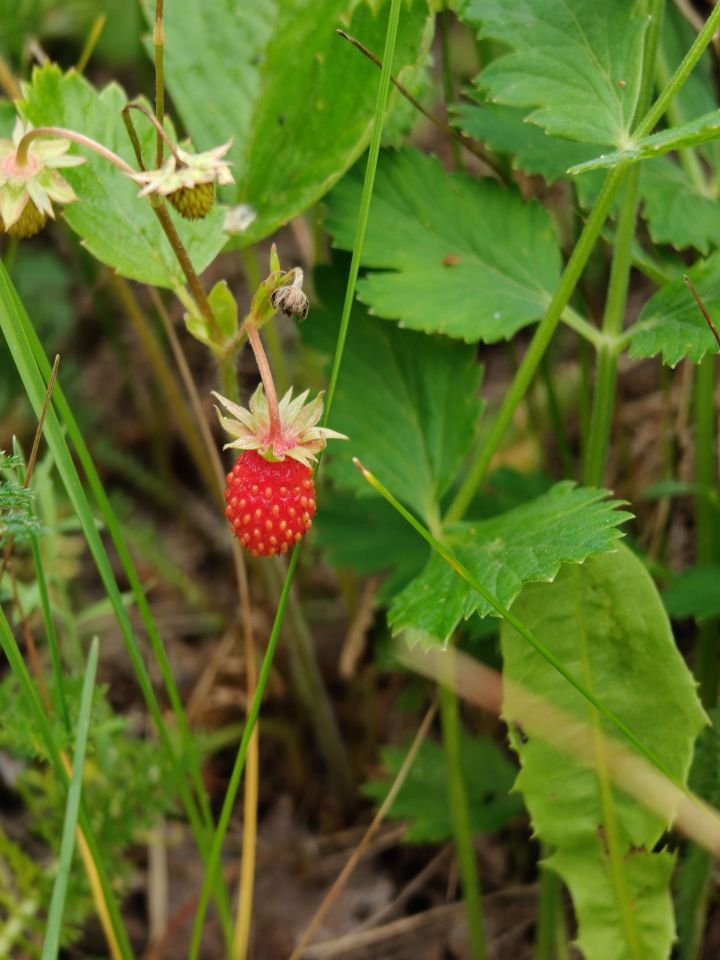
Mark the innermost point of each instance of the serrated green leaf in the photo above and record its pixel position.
(459, 256)
(678, 210)
(408, 402)
(691, 134)
(694, 593)
(296, 98)
(115, 225)
(604, 619)
(671, 323)
(577, 63)
(507, 130)
(423, 798)
(565, 525)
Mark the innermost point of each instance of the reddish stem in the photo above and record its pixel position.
(267, 379)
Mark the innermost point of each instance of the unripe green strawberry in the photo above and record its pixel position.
(270, 504)
(193, 203)
(30, 222)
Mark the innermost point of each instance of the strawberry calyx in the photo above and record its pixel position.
(295, 434)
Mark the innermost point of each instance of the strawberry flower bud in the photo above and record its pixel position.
(29, 181)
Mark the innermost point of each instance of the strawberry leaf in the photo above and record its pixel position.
(530, 542)
(423, 798)
(603, 619)
(459, 256)
(407, 402)
(671, 323)
(506, 130)
(679, 210)
(115, 225)
(297, 100)
(577, 64)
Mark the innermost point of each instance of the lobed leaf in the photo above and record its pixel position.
(116, 226)
(462, 257)
(530, 542)
(297, 99)
(678, 210)
(418, 406)
(671, 323)
(508, 130)
(605, 621)
(578, 64)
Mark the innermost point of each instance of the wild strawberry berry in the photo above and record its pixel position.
(30, 222)
(270, 493)
(188, 180)
(270, 505)
(193, 203)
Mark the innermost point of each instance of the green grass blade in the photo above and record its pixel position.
(72, 809)
(32, 366)
(29, 691)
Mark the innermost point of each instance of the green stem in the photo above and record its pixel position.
(213, 862)
(685, 68)
(364, 211)
(50, 634)
(556, 419)
(159, 44)
(448, 85)
(549, 915)
(606, 375)
(537, 347)
(706, 522)
(460, 811)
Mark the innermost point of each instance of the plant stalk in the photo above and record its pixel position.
(460, 811)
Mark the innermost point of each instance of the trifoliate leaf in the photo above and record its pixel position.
(116, 226)
(530, 542)
(423, 798)
(671, 323)
(694, 593)
(460, 256)
(605, 622)
(408, 402)
(578, 64)
(297, 99)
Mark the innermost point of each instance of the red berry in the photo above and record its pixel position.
(270, 504)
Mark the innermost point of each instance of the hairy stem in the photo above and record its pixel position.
(267, 379)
